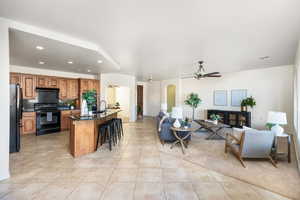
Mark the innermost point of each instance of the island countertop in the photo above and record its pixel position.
(98, 116)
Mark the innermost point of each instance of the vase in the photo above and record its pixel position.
(215, 122)
(177, 124)
(244, 108)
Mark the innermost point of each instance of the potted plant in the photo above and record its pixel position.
(185, 123)
(193, 100)
(250, 101)
(90, 97)
(139, 111)
(215, 118)
(117, 105)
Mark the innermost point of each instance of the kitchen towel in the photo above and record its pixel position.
(49, 116)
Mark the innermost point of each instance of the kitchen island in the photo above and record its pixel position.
(84, 131)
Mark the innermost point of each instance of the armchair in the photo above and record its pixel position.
(251, 144)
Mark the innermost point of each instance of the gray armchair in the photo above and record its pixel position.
(251, 144)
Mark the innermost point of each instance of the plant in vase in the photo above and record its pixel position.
(215, 118)
(250, 101)
(139, 112)
(185, 123)
(193, 100)
(91, 98)
(117, 105)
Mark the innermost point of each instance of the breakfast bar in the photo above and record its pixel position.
(84, 131)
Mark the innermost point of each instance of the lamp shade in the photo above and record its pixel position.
(164, 107)
(177, 112)
(277, 118)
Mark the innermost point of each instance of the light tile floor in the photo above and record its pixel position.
(135, 169)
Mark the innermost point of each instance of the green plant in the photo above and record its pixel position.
(139, 109)
(269, 125)
(250, 101)
(215, 117)
(117, 104)
(193, 100)
(90, 97)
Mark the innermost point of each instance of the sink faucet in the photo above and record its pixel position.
(103, 101)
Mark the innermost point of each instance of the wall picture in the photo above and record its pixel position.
(237, 96)
(220, 97)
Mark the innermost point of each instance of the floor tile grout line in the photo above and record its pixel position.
(228, 175)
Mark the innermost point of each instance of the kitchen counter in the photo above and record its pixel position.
(98, 116)
(84, 131)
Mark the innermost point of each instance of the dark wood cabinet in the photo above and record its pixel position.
(15, 78)
(28, 85)
(28, 123)
(232, 118)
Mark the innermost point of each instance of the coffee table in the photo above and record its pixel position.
(182, 138)
(215, 129)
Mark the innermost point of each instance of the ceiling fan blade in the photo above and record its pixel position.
(212, 73)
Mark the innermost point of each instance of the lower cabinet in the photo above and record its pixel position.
(65, 118)
(28, 123)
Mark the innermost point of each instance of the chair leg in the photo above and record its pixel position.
(272, 161)
(242, 162)
(226, 150)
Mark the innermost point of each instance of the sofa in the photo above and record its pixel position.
(163, 127)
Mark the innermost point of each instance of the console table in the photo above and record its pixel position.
(232, 118)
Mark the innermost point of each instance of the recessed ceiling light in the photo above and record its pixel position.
(70, 62)
(89, 70)
(100, 61)
(264, 57)
(41, 62)
(39, 47)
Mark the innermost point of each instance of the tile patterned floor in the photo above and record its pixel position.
(135, 169)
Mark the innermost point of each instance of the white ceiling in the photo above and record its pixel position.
(164, 38)
(55, 54)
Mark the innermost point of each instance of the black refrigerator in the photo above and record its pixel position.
(16, 108)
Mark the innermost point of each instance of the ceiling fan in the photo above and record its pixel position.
(200, 73)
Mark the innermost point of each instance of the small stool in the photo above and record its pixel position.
(279, 146)
(119, 126)
(107, 130)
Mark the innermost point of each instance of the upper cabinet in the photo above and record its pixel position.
(28, 85)
(89, 84)
(15, 78)
(73, 88)
(47, 82)
(63, 88)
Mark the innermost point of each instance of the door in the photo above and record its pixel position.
(65, 120)
(28, 123)
(29, 85)
(73, 89)
(140, 102)
(171, 97)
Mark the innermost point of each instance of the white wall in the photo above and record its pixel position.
(107, 79)
(123, 97)
(297, 104)
(31, 70)
(153, 98)
(4, 100)
(271, 87)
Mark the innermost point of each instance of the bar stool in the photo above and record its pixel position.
(107, 131)
(119, 125)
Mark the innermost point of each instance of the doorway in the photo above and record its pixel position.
(171, 97)
(140, 102)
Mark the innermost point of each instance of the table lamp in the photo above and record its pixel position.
(164, 107)
(277, 118)
(177, 114)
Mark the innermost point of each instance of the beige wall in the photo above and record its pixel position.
(271, 87)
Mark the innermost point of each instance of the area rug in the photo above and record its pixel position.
(284, 180)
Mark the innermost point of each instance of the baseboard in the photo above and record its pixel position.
(4, 176)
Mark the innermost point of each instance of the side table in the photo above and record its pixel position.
(181, 138)
(278, 152)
